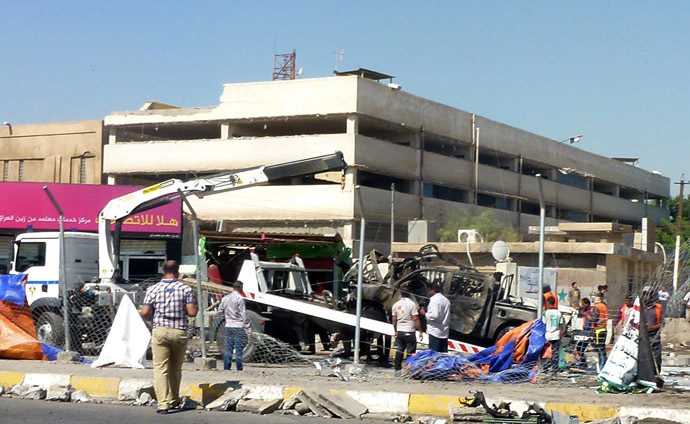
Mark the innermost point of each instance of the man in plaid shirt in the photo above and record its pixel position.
(169, 302)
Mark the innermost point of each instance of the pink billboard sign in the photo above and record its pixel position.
(26, 206)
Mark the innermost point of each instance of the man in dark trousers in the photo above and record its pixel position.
(169, 303)
(405, 318)
(654, 316)
(437, 316)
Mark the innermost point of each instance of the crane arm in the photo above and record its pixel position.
(118, 209)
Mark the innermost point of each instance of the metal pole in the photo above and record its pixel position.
(542, 219)
(359, 274)
(476, 167)
(63, 270)
(199, 292)
(392, 217)
(679, 220)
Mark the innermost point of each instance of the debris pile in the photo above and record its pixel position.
(304, 402)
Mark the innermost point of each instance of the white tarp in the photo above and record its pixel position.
(127, 341)
(621, 365)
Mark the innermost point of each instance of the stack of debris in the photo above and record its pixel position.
(306, 402)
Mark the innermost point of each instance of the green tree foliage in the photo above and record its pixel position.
(490, 228)
(666, 232)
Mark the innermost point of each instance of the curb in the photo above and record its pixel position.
(392, 403)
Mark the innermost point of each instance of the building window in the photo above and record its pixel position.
(82, 170)
(5, 170)
(21, 170)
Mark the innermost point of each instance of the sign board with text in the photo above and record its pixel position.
(528, 281)
(26, 206)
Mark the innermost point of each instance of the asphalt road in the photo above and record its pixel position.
(42, 412)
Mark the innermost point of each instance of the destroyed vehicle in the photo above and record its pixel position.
(482, 310)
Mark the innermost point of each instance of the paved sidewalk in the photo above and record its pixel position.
(379, 389)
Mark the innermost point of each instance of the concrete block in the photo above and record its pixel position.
(228, 400)
(382, 402)
(81, 396)
(342, 405)
(290, 402)
(145, 399)
(310, 399)
(131, 388)
(67, 357)
(186, 403)
(35, 393)
(46, 380)
(205, 363)
(59, 393)
(265, 391)
(270, 406)
(302, 408)
(249, 405)
(18, 390)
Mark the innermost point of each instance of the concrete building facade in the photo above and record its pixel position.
(66, 152)
(442, 160)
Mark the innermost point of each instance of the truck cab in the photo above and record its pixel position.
(38, 256)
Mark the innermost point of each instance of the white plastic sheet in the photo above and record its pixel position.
(127, 341)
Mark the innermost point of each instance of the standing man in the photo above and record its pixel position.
(664, 296)
(624, 310)
(585, 312)
(574, 296)
(236, 326)
(654, 316)
(598, 318)
(553, 319)
(169, 302)
(686, 302)
(405, 321)
(437, 319)
(548, 294)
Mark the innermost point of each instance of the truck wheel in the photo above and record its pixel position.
(257, 325)
(50, 328)
(503, 332)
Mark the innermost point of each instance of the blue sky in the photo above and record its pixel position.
(616, 71)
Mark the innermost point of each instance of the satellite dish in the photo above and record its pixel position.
(500, 251)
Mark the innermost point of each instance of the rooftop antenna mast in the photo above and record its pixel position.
(338, 57)
(284, 66)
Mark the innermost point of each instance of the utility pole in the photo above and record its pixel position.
(679, 220)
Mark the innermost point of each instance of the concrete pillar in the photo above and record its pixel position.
(352, 124)
(227, 130)
(113, 135)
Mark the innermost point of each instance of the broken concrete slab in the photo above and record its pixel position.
(249, 405)
(270, 406)
(35, 393)
(342, 405)
(228, 400)
(205, 363)
(302, 408)
(291, 401)
(81, 396)
(59, 393)
(131, 388)
(310, 399)
(145, 399)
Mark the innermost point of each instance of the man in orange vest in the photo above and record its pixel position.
(547, 295)
(597, 317)
(624, 310)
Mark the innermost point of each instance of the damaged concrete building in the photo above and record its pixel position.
(442, 160)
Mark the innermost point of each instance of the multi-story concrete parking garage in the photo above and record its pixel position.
(441, 159)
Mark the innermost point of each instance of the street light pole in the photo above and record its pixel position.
(572, 140)
(360, 270)
(542, 219)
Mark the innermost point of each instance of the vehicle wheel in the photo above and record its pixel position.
(503, 332)
(257, 325)
(50, 328)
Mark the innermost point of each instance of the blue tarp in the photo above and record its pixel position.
(12, 289)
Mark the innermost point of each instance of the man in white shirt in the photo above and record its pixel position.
(405, 321)
(236, 326)
(686, 301)
(553, 319)
(437, 316)
(664, 297)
